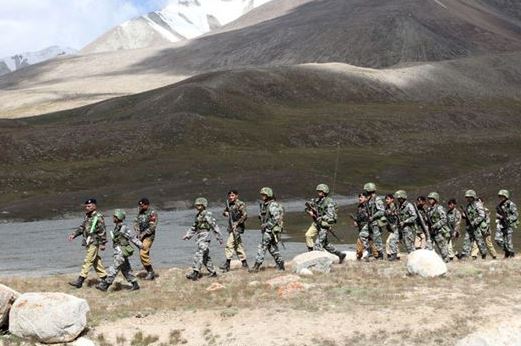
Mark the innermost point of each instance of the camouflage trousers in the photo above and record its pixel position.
(311, 235)
(202, 257)
(408, 236)
(503, 239)
(439, 241)
(268, 243)
(490, 247)
(93, 259)
(371, 232)
(121, 263)
(391, 245)
(233, 246)
(471, 236)
(322, 242)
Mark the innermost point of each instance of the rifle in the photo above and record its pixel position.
(310, 206)
(230, 225)
(504, 218)
(425, 228)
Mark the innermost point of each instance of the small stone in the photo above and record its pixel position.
(216, 286)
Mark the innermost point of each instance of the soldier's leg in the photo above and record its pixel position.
(359, 248)
(475, 250)
(319, 240)
(499, 238)
(392, 248)
(408, 237)
(115, 268)
(311, 236)
(490, 246)
(441, 244)
(144, 253)
(241, 251)
(273, 248)
(450, 248)
(467, 244)
(98, 266)
(478, 236)
(509, 244)
(126, 270)
(262, 248)
(373, 250)
(376, 235)
(364, 238)
(198, 256)
(90, 256)
(229, 249)
(207, 260)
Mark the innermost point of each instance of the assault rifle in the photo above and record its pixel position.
(311, 207)
(503, 221)
(425, 228)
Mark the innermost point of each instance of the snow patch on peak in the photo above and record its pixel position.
(18, 61)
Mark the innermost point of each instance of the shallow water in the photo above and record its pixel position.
(41, 247)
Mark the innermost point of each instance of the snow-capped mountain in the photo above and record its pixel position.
(180, 20)
(18, 61)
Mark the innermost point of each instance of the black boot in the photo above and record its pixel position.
(280, 266)
(103, 286)
(341, 256)
(135, 286)
(512, 254)
(213, 274)
(194, 275)
(393, 257)
(225, 267)
(78, 283)
(245, 265)
(256, 268)
(484, 256)
(150, 273)
(380, 256)
(310, 249)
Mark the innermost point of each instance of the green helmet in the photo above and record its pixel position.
(120, 214)
(400, 194)
(267, 191)
(471, 193)
(323, 187)
(201, 201)
(434, 195)
(370, 187)
(504, 193)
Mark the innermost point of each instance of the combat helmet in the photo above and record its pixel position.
(201, 201)
(120, 214)
(323, 187)
(400, 194)
(267, 191)
(435, 196)
(471, 193)
(504, 193)
(370, 187)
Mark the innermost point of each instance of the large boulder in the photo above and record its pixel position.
(48, 317)
(7, 298)
(425, 263)
(316, 261)
(502, 334)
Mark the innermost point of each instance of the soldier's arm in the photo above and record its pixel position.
(443, 219)
(78, 231)
(131, 237)
(152, 224)
(411, 216)
(329, 216)
(101, 230)
(481, 215)
(244, 214)
(276, 216)
(512, 213)
(214, 226)
(380, 209)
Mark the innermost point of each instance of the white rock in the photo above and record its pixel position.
(282, 280)
(83, 342)
(48, 317)
(254, 283)
(425, 263)
(316, 261)
(7, 298)
(350, 255)
(503, 334)
(305, 272)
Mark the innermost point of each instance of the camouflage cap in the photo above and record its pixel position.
(504, 193)
(434, 195)
(400, 194)
(323, 187)
(119, 214)
(370, 187)
(267, 191)
(201, 201)
(471, 193)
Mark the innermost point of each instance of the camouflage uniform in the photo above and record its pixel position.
(506, 221)
(237, 216)
(407, 226)
(145, 226)
(326, 218)
(487, 237)
(94, 235)
(475, 226)
(272, 223)
(439, 228)
(420, 240)
(391, 245)
(121, 239)
(362, 220)
(376, 210)
(203, 224)
(454, 222)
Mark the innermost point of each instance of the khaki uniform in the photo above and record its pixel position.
(94, 235)
(237, 217)
(145, 226)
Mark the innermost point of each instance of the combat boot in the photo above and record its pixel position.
(225, 267)
(78, 283)
(341, 256)
(135, 286)
(150, 273)
(380, 256)
(310, 249)
(213, 274)
(245, 265)
(194, 276)
(484, 256)
(393, 257)
(280, 266)
(103, 286)
(256, 268)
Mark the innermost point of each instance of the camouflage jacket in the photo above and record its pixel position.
(122, 238)
(145, 224)
(237, 214)
(204, 223)
(391, 214)
(93, 229)
(362, 216)
(376, 210)
(326, 209)
(476, 215)
(454, 220)
(507, 214)
(271, 216)
(408, 215)
(437, 220)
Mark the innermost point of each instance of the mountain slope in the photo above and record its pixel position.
(18, 61)
(180, 20)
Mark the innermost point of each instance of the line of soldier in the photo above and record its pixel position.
(425, 224)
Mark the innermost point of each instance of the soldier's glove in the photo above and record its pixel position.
(186, 237)
(70, 237)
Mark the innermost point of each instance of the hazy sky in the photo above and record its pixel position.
(29, 25)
